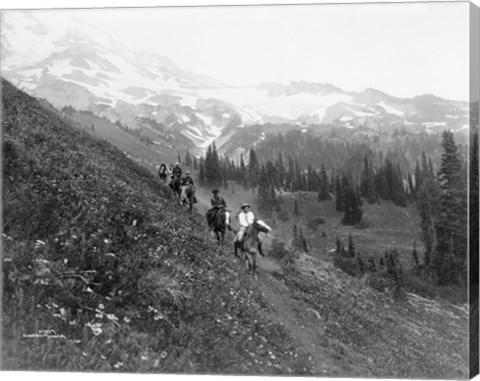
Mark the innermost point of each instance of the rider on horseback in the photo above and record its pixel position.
(177, 170)
(245, 219)
(188, 181)
(217, 203)
(162, 171)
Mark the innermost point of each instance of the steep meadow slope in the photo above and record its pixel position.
(102, 271)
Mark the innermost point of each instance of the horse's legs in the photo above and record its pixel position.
(248, 263)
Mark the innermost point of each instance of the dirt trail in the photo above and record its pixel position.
(304, 324)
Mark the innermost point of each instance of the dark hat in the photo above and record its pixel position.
(244, 205)
(215, 191)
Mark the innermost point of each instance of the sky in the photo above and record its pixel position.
(404, 49)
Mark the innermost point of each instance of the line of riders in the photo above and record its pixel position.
(168, 174)
(171, 174)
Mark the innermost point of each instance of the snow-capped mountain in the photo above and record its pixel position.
(74, 64)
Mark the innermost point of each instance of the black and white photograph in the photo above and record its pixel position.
(240, 189)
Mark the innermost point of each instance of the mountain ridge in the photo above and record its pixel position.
(87, 69)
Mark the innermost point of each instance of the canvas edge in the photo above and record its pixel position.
(474, 97)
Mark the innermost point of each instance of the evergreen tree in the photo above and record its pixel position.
(312, 179)
(201, 175)
(295, 208)
(243, 172)
(411, 188)
(295, 237)
(361, 264)
(195, 163)
(452, 222)
(302, 242)
(353, 213)
(272, 175)
(381, 184)
(297, 179)
(290, 175)
(415, 260)
(371, 265)
(367, 182)
(216, 168)
(323, 187)
(280, 170)
(208, 167)
(398, 190)
(351, 247)
(178, 158)
(253, 168)
(188, 159)
(418, 179)
(450, 269)
(339, 250)
(264, 195)
(339, 195)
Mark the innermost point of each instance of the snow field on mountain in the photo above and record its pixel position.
(390, 109)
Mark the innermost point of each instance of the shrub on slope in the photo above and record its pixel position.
(102, 272)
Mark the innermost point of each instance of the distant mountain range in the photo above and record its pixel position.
(74, 64)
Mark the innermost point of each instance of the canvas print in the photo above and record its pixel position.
(270, 190)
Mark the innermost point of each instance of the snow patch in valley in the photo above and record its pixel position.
(434, 124)
(196, 130)
(359, 113)
(289, 107)
(390, 109)
(185, 119)
(207, 120)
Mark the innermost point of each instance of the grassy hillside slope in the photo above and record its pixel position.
(101, 271)
(146, 155)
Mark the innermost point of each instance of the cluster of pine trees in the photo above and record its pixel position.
(383, 182)
(441, 198)
(299, 241)
(349, 260)
(386, 273)
(442, 203)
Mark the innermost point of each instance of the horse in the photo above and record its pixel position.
(250, 244)
(187, 195)
(220, 223)
(176, 185)
(162, 173)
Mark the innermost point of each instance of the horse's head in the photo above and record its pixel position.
(227, 217)
(262, 226)
(221, 217)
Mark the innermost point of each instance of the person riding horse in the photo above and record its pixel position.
(177, 171)
(245, 219)
(176, 179)
(217, 203)
(162, 172)
(187, 181)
